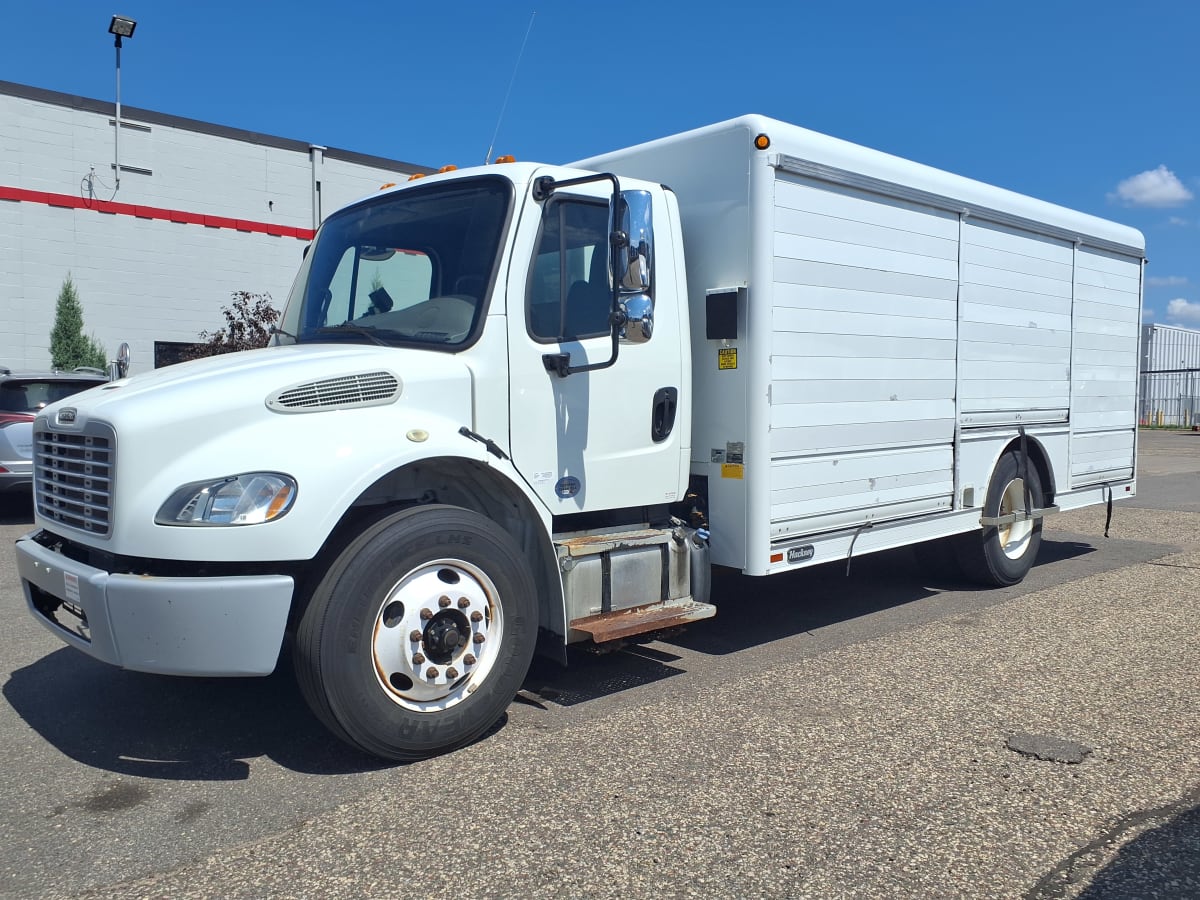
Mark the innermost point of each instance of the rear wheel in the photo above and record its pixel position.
(1002, 555)
(420, 634)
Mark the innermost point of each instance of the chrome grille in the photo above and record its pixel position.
(73, 477)
(366, 389)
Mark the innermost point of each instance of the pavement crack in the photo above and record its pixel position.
(1084, 863)
(1167, 565)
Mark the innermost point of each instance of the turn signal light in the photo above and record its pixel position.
(762, 142)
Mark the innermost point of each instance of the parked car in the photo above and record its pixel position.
(22, 397)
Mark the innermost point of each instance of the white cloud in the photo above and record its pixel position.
(1180, 310)
(1178, 222)
(1166, 281)
(1156, 187)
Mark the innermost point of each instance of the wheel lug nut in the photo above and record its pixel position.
(477, 616)
(469, 659)
(452, 673)
(418, 658)
(463, 602)
(478, 639)
(427, 614)
(443, 602)
(431, 672)
(415, 637)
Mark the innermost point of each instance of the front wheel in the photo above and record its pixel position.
(420, 633)
(1002, 555)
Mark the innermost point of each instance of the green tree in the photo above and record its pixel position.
(69, 346)
(248, 321)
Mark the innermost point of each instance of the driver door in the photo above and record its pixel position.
(588, 441)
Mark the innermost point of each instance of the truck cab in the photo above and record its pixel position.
(467, 439)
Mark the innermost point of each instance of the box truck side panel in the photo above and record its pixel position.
(1104, 366)
(1016, 312)
(862, 357)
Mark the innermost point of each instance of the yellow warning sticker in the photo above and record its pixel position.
(727, 358)
(732, 470)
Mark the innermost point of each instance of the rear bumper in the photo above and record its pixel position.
(173, 626)
(15, 475)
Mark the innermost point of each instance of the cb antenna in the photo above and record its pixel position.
(511, 81)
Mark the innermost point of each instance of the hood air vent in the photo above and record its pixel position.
(345, 392)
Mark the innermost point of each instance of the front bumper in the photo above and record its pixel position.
(229, 625)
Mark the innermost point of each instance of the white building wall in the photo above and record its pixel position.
(202, 211)
(1170, 366)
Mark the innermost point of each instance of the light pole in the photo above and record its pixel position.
(119, 27)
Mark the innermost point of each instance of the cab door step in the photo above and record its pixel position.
(623, 623)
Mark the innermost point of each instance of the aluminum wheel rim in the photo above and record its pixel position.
(414, 664)
(1014, 537)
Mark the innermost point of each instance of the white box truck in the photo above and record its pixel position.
(521, 405)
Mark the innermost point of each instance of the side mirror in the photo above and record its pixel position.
(635, 264)
(119, 367)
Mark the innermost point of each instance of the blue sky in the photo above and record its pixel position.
(1089, 105)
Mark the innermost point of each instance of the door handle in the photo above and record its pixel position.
(662, 413)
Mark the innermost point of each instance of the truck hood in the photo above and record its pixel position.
(335, 418)
(233, 384)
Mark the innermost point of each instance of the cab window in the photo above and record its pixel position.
(569, 293)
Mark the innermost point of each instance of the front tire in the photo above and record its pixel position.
(1002, 555)
(420, 634)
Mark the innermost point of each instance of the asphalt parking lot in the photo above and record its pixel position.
(881, 734)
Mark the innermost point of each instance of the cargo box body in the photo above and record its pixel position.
(869, 335)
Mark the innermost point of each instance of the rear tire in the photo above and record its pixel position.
(1002, 555)
(419, 635)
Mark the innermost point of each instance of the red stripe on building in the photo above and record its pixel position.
(21, 195)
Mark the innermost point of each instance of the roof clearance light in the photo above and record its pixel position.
(384, 187)
(416, 175)
(445, 169)
(507, 158)
(762, 142)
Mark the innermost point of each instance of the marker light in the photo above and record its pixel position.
(445, 169)
(416, 175)
(762, 142)
(384, 187)
(507, 158)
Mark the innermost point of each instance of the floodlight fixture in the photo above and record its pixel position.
(121, 27)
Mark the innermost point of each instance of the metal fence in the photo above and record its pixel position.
(1169, 397)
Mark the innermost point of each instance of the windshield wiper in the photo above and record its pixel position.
(367, 331)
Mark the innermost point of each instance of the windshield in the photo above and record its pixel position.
(412, 266)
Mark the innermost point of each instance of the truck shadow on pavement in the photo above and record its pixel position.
(16, 509)
(1160, 862)
(156, 726)
(882, 592)
(206, 729)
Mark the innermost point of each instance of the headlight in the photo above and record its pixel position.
(237, 500)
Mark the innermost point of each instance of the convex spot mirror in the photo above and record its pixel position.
(635, 265)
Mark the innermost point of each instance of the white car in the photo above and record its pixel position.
(22, 397)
